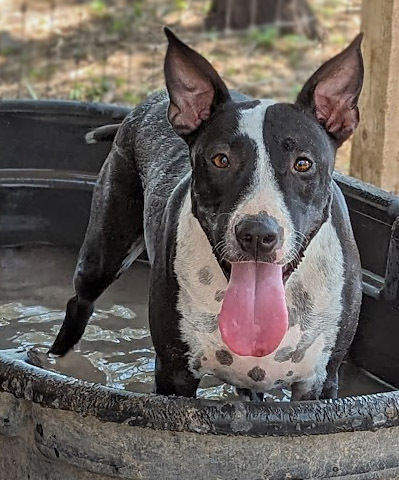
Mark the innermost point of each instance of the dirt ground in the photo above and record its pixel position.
(112, 51)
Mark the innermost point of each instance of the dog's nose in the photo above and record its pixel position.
(258, 236)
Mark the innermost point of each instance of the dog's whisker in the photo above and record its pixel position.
(297, 232)
(220, 246)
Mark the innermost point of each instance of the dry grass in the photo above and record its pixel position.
(112, 51)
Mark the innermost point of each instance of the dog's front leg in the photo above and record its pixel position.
(172, 377)
(330, 387)
(306, 390)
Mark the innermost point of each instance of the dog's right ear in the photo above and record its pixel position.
(332, 93)
(195, 89)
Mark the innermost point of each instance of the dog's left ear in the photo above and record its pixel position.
(332, 93)
(194, 87)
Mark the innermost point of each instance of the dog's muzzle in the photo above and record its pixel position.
(259, 237)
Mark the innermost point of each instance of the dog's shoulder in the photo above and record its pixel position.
(340, 215)
(343, 228)
(142, 115)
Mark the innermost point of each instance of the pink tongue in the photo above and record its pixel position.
(254, 318)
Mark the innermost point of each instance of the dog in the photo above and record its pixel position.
(256, 276)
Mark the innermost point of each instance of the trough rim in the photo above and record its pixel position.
(234, 417)
(63, 108)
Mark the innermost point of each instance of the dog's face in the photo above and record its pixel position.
(261, 182)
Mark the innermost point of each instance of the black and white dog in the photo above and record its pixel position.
(255, 273)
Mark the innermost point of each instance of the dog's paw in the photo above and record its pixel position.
(40, 359)
(90, 138)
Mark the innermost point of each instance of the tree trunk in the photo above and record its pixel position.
(289, 16)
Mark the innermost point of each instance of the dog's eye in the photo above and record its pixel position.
(221, 161)
(302, 164)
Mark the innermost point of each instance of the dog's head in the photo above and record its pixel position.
(261, 171)
(261, 182)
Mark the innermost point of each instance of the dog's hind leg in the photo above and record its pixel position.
(114, 239)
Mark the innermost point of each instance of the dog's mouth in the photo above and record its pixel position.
(287, 269)
(254, 317)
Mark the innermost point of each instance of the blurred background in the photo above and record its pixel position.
(112, 50)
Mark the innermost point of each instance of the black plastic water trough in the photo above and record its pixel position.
(55, 427)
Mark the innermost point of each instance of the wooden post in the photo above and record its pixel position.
(375, 150)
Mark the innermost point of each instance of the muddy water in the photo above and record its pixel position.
(116, 349)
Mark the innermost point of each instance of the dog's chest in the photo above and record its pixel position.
(313, 296)
(290, 363)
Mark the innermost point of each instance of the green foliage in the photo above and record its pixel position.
(231, 71)
(134, 97)
(138, 9)
(295, 91)
(338, 39)
(99, 7)
(206, 8)
(327, 8)
(38, 74)
(269, 37)
(120, 25)
(76, 92)
(292, 42)
(181, 5)
(91, 92)
(263, 37)
(8, 51)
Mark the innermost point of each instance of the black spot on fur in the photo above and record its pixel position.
(302, 304)
(219, 295)
(283, 354)
(205, 276)
(304, 343)
(292, 316)
(39, 429)
(213, 326)
(204, 359)
(206, 323)
(299, 354)
(257, 374)
(290, 373)
(197, 364)
(224, 357)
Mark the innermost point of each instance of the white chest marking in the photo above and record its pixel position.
(303, 352)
